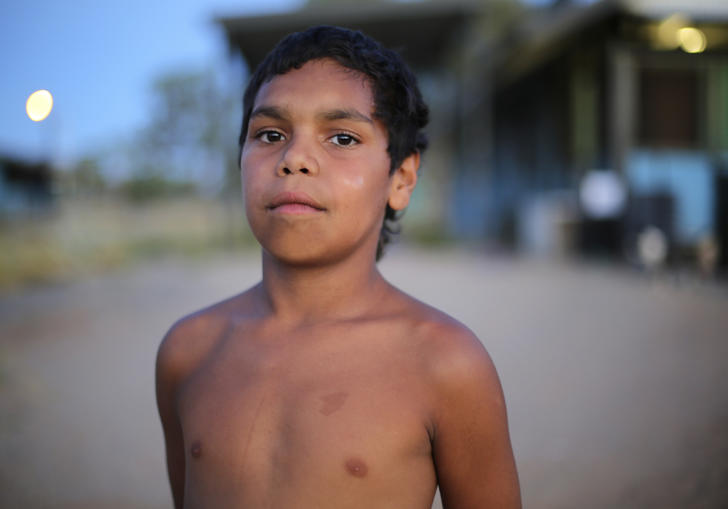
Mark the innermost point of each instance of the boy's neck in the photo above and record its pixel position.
(307, 294)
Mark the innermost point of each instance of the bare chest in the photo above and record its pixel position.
(267, 421)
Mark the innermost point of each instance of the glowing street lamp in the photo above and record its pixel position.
(692, 40)
(39, 105)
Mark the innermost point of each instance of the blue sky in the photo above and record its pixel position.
(99, 59)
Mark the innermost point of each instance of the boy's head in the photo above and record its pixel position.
(398, 102)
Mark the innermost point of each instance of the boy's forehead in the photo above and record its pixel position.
(320, 79)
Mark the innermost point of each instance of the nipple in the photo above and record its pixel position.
(356, 467)
(196, 449)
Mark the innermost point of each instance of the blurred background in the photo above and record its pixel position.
(572, 210)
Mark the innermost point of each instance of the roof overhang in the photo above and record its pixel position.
(696, 10)
(547, 32)
(422, 32)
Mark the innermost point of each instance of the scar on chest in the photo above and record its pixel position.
(196, 449)
(332, 402)
(356, 467)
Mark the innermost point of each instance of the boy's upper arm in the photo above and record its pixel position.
(471, 445)
(171, 367)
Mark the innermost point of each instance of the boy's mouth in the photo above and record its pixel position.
(294, 202)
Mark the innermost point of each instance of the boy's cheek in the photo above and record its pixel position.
(252, 191)
(354, 182)
(251, 171)
(250, 157)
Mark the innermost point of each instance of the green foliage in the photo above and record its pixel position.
(144, 188)
(87, 177)
(190, 136)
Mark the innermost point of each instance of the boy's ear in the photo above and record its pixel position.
(403, 182)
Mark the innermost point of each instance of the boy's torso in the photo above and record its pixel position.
(332, 415)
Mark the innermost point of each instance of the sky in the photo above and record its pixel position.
(99, 60)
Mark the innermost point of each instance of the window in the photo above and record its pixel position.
(668, 113)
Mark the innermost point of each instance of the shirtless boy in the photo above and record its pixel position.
(323, 386)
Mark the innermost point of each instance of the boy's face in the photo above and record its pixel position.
(315, 167)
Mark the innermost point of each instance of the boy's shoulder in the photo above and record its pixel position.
(191, 337)
(453, 353)
(467, 416)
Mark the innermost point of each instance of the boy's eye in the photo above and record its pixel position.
(344, 140)
(269, 136)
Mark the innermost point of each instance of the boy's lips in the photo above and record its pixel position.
(294, 202)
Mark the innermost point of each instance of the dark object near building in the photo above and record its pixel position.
(721, 219)
(650, 210)
(25, 187)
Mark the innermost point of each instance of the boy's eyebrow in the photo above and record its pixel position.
(278, 113)
(345, 114)
(273, 112)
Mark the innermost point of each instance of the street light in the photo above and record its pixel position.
(39, 105)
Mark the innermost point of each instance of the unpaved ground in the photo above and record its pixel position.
(616, 384)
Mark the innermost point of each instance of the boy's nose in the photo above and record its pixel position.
(298, 157)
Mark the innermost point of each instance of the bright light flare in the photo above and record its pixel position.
(39, 105)
(692, 40)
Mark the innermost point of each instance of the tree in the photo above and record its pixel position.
(191, 132)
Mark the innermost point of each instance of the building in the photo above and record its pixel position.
(636, 87)
(25, 186)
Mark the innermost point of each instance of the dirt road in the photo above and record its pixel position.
(616, 383)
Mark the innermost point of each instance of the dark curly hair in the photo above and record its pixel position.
(397, 98)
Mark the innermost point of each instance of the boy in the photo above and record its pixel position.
(323, 386)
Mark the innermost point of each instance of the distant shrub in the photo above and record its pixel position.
(144, 188)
